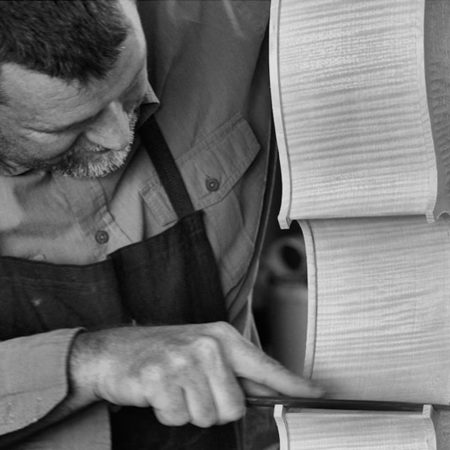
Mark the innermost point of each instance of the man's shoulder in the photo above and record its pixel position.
(202, 63)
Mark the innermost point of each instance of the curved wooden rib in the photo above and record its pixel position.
(340, 430)
(350, 106)
(280, 420)
(274, 66)
(382, 308)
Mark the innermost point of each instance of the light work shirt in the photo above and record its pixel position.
(208, 86)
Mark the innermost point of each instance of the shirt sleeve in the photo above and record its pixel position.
(33, 377)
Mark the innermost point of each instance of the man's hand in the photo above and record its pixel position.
(187, 373)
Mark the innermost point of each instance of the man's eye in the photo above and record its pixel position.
(60, 131)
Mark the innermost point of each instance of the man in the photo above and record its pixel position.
(129, 218)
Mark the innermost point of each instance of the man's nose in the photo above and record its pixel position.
(111, 129)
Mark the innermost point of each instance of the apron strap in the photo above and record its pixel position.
(166, 167)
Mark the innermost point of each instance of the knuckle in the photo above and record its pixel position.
(180, 418)
(203, 413)
(205, 421)
(155, 375)
(232, 414)
(178, 421)
(234, 408)
(180, 362)
(207, 346)
(223, 328)
(172, 418)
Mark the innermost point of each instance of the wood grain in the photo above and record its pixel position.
(379, 308)
(325, 430)
(350, 108)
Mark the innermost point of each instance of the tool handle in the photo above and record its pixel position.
(327, 403)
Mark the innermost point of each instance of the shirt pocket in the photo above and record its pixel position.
(223, 181)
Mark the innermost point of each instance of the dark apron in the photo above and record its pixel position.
(171, 278)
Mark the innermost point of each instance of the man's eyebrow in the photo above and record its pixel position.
(81, 122)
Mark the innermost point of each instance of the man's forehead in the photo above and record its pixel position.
(28, 93)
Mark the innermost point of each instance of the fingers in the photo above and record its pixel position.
(200, 402)
(207, 391)
(279, 378)
(255, 389)
(249, 362)
(227, 393)
(265, 371)
(190, 373)
(215, 397)
(170, 407)
(181, 394)
(189, 401)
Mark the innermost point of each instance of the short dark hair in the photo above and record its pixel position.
(67, 39)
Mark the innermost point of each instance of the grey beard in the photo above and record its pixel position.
(109, 162)
(73, 163)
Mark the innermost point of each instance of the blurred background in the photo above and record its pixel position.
(280, 298)
(280, 310)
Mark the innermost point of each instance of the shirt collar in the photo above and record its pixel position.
(148, 106)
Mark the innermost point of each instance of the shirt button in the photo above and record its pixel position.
(102, 237)
(37, 301)
(212, 184)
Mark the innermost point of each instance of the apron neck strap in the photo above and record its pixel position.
(165, 166)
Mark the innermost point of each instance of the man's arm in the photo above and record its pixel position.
(33, 381)
(195, 374)
(187, 373)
